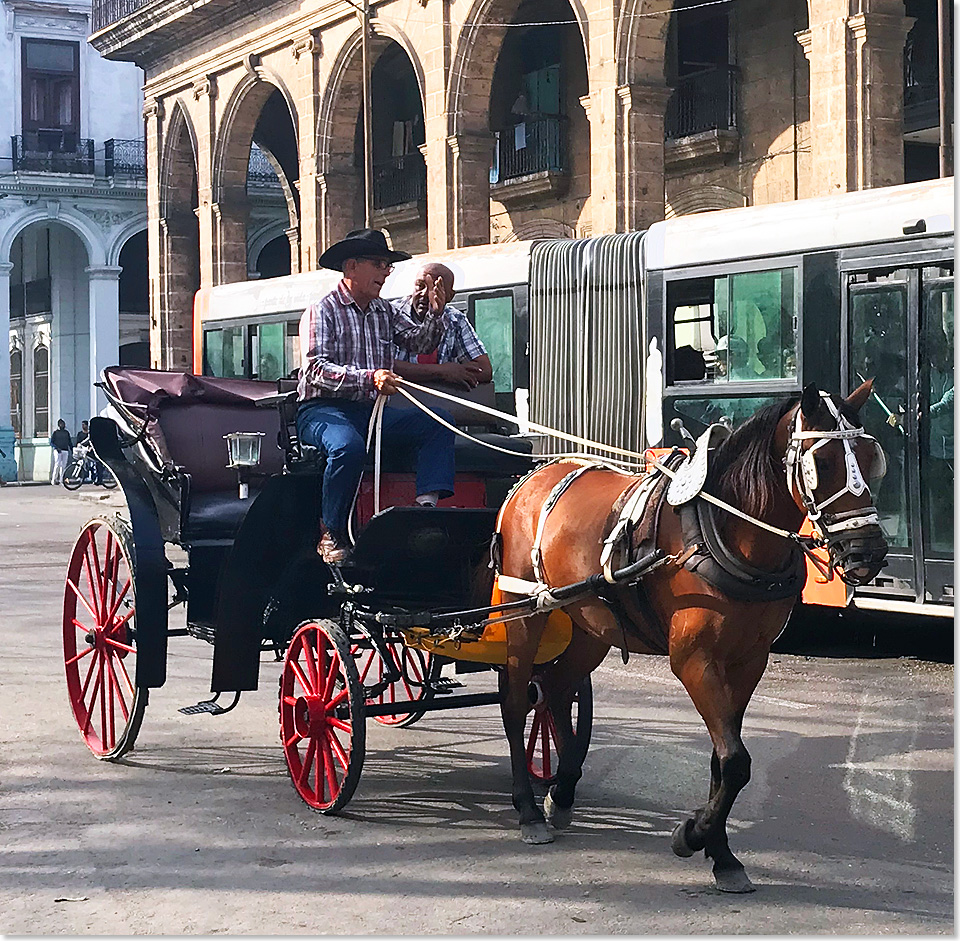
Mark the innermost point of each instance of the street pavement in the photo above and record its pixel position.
(846, 826)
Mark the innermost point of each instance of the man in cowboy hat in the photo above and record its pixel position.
(347, 349)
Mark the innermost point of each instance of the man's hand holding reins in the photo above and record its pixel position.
(386, 381)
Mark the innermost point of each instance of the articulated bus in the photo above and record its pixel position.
(704, 318)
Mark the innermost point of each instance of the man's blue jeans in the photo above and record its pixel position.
(338, 429)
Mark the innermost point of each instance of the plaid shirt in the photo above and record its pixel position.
(458, 344)
(342, 346)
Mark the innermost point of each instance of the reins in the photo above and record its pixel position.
(806, 543)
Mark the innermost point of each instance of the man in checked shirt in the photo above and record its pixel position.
(348, 341)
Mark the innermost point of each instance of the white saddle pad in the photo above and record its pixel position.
(692, 473)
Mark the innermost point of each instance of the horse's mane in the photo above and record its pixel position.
(744, 471)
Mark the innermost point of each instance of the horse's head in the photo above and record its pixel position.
(832, 464)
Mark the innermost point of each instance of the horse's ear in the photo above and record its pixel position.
(810, 401)
(860, 395)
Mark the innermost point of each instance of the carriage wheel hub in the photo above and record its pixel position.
(310, 716)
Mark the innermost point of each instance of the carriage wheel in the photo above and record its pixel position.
(99, 639)
(411, 662)
(321, 716)
(543, 741)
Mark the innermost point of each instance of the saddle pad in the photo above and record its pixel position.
(692, 474)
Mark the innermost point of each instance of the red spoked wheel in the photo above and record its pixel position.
(543, 740)
(322, 722)
(99, 639)
(414, 666)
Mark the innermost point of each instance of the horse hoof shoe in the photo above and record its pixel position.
(535, 833)
(679, 841)
(734, 880)
(558, 817)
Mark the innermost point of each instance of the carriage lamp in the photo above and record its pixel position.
(243, 448)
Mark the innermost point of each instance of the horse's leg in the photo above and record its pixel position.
(561, 682)
(722, 703)
(523, 638)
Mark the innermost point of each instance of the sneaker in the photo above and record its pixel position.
(332, 550)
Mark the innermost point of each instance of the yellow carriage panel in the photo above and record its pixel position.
(491, 647)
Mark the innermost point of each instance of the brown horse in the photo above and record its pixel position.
(790, 459)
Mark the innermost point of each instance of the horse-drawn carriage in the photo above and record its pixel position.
(699, 559)
(370, 640)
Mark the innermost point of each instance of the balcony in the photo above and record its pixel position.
(531, 160)
(107, 12)
(399, 181)
(260, 172)
(125, 158)
(51, 151)
(703, 101)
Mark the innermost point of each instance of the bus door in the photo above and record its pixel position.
(899, 331)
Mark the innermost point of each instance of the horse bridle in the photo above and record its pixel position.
(801, 467)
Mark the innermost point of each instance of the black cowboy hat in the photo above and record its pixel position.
(360, 243)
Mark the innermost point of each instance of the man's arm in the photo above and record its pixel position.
(461, 375)
(322, 371)
(411, 334)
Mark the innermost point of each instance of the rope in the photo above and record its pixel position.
(586, 442)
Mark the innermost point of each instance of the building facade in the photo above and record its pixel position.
(73, 225)
(493, 120)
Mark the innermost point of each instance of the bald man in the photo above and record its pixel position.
(460, 358)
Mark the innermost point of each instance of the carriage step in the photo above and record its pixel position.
(209, 707)
(443, 685)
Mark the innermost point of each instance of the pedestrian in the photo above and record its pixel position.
(96, 467)
(347, 342)
(62, 446)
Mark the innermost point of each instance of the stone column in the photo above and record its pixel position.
(153, 117)
(104, 281)
(856, 97)
(307, 51)
(470, 187)
(8, 463)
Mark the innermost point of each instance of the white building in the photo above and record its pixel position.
(73, 219)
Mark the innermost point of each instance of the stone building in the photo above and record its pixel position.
(507, 119)
(73, 225)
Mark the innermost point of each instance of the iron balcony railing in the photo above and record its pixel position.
(259, 169)
(52, 151)
(106, 12)
(125, 158)
(533, 146)
(399, 180)
(703, 101)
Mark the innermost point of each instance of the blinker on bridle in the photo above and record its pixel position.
(801, 467)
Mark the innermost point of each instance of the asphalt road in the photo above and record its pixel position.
(845, 828)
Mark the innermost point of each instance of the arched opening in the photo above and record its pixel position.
(274, 258)
(258, 157)
(50, 374)
(178, 252)
(541, 151)
(397, 133)
(134, 295)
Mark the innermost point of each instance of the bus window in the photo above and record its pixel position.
(493, 320)
(698, 413)
(937, 438)
(223, 353)
(269, 351)
(733, 328)
(291, 348)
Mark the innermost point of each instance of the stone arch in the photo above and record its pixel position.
(640, 41)
(704, 199)
(131, 228)
(475, 58)
(256, 242)
(90, 236)
(339, 135)
(541, 229)
(259, 109)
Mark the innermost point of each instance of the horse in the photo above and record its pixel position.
(808, 455)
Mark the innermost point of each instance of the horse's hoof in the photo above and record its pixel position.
(679, 841)
(733, 880)
(558, 817)
(535, 833)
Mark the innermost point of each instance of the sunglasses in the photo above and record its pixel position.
(381, 264)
